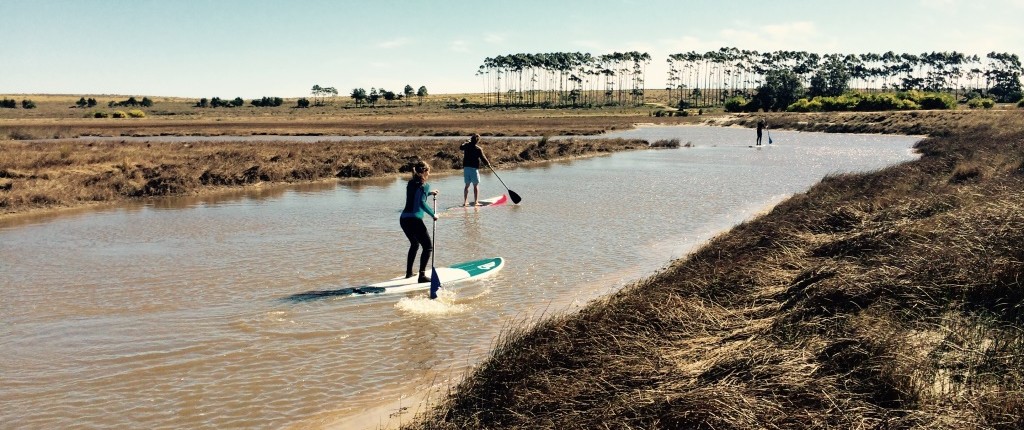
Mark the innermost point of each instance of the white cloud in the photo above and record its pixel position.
(494, 38)
(394, 43)
(459, 46)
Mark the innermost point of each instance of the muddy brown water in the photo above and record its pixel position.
(176, 313)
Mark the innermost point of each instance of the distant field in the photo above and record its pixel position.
(57, 116)
(63, 106)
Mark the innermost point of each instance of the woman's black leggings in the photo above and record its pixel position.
(416, 231)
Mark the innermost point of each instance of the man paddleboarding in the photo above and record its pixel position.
(761, 125)
(411, 220)
(471, 157)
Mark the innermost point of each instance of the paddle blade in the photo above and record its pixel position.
(435, 283)
(515, 197)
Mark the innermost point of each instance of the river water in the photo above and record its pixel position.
(176, 313)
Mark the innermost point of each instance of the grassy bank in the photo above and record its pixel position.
(37, 176)
(884, 300)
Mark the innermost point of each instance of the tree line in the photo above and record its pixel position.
(361, 97)
(563, 79)
(710, 78)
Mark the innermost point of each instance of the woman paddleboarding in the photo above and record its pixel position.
(411, 220)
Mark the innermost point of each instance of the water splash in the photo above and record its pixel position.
(446, 303)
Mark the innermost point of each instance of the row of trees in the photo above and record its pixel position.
(362, 97)
(267, 102)
(565, 79)
(320, 94)
(321, 97)
(707, 79)
(131, 101)
(219, 102)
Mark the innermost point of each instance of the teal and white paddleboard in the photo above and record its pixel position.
(450, 275)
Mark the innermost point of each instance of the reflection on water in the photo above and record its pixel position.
(175, 313)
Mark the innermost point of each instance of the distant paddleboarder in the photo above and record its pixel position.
(761, 125)
(411, 220)
(471, 157)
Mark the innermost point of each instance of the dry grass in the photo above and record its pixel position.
(883, 300)
(56, 117)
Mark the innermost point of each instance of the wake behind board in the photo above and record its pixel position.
(453, 274)
(493, 201)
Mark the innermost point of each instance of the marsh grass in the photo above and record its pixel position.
(56, 117)
(49, 174)
(890, 299)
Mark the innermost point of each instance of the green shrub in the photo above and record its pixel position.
(28, 104)
(135, 113)
(100, 115)
(931, 100)
(735, 104)
(938, 101)
(882, 102)
(804, 105)
(119, 114)
(981, 102)
(843, 103)
(1020, 104)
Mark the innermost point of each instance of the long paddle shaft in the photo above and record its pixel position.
(435, 280)
(512, 194)
(433, 236)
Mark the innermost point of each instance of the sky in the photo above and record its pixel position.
(256, 48)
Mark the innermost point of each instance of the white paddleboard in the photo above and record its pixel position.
(493, 201)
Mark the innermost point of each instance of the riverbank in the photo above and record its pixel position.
(46, 176)
(887, 299)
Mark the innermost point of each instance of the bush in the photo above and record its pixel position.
(981, 102)
(267, 102)
(1020, 104)
(302, 103)
(28, 104)
(883, 102)
(864, 102)
(8, 103)
(100, 115)
(931, 100)
(135, 113)
(119, 114)
(735, 104)
(843, 103)
(804, 105)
